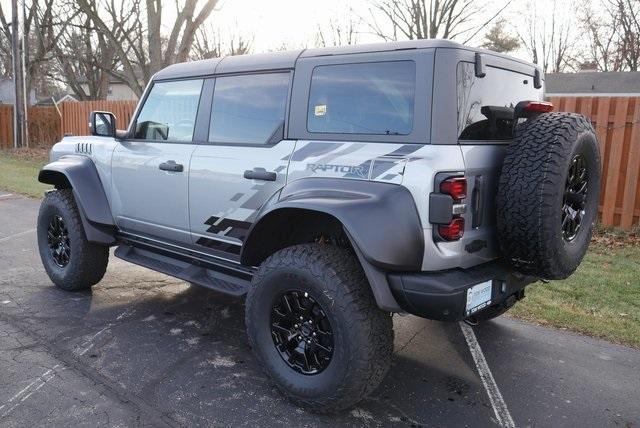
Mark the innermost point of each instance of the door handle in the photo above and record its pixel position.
(260, 174)
(171, 166)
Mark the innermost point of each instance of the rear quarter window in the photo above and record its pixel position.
(365, 98)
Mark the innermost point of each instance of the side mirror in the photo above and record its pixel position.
(102, 124)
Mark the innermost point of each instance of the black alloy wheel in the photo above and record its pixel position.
(58, 240)
(301, 332)
(575, 198)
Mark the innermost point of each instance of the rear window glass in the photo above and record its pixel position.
(367, 98)
(484, 104)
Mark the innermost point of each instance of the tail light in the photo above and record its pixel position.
(529, 109)
(456, 187)
(538, 107)
(452, 231)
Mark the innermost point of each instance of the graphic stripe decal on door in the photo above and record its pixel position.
(228, 227)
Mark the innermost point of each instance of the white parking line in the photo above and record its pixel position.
(6, 196)
(15, 235)
(497, 402)
(29, 390)
(45, 377)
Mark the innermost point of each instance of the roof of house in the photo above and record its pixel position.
(112, 81)
(287, 59)
(593, 83)
(50, 100)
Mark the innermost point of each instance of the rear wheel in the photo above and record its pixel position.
(313, 324)
(71, 262)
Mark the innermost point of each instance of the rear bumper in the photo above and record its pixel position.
(442, 295)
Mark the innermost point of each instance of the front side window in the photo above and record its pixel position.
(249, 109)
(169, 112)
(368, 98)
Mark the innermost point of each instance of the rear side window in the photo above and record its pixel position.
(249, 109)
(367, 98)
(484, 104)
(169, 112)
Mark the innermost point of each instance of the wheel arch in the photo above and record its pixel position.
(380, 221)
(79, 174)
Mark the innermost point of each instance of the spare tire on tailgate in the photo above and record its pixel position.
(548, 195)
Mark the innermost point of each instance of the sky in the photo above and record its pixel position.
(294, 23)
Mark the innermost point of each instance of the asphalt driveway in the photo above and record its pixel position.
(145, 349)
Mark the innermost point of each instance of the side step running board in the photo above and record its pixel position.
(205, 277)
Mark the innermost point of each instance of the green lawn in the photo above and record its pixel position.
(19, 172)
(601, 299)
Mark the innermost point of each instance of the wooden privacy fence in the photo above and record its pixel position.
(43, 123)
(6, 126)
(75, 115)
(617, 124)
(47, 126)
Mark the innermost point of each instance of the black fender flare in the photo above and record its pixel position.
(380, 219)
(80, 174)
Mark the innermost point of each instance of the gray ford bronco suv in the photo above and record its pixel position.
(333, 187)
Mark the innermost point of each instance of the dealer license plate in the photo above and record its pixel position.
(479, 296)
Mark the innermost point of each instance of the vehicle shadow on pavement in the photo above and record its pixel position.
(183, 350)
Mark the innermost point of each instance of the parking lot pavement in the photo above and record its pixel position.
(145, 349)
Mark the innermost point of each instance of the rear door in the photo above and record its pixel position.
(244, 161)
(150, 171)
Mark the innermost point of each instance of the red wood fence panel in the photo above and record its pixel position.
(6, 126)
(43, 122)
(75, 115)
(617, 124)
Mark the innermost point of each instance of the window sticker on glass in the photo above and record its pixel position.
(320, 110)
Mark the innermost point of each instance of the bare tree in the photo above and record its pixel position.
(337, 33)
(613, 33)
(140, 42)
(549, 38)
(83, 57)
(209, 43)
(602, 38)
(627, 15)
(5, 45)
(44, 23)
(430, 19)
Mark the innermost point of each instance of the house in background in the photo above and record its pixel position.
(117, 91)
(51, 101)
(8, 95)
(593, 84)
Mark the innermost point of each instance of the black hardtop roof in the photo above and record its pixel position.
(287, 59)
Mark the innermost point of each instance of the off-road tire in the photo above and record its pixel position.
(363, 333)
(87, 262)
(531, 194)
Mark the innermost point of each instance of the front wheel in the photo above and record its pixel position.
(314, 325)
(71, 262)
